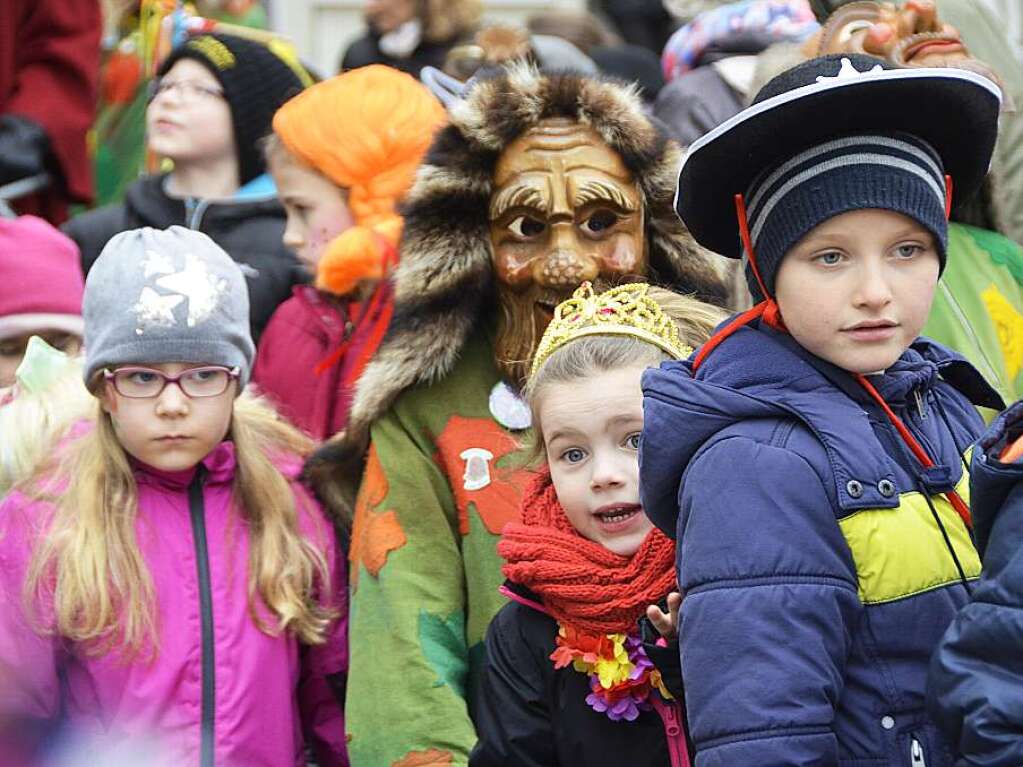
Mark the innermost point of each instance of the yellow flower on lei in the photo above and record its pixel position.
(618, 667)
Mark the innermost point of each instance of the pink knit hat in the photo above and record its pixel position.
(41, 281)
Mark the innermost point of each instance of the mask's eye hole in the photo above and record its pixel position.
(527, 227)
(600, 221)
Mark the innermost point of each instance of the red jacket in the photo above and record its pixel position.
(49, 73)
(304, 331)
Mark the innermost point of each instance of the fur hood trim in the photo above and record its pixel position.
(445, 279)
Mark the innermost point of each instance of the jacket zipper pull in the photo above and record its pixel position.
(916, 753)
(673, 727)
(920, 404)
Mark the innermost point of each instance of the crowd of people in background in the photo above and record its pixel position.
(640, 384)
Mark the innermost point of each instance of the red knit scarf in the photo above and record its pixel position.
(581, 583)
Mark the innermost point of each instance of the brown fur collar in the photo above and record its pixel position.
(445, 280)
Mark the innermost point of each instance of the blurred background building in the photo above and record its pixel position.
(321, 29)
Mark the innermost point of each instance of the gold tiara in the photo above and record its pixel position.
(627, 310)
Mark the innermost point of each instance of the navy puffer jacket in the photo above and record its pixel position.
(820, 562)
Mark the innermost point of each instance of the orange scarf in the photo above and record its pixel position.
(581, 583)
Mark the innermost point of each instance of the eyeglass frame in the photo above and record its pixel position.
(187, 89)
(233, 374)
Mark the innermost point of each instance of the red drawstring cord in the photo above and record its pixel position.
(917, 449)
(747, 242)
(766, 309)
(715, 340)
(370, 309)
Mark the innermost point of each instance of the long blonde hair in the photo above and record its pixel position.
(88, 562)
(587, 355)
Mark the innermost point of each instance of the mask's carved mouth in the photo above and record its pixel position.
(546, 308)
(546, 301)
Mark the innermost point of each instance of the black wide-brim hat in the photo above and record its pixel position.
(953, 110)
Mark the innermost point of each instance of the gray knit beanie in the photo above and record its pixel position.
(170, 295)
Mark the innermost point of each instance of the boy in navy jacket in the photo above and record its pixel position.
(811, 457)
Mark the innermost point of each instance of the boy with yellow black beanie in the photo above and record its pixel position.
(343, 155)
(211, 104)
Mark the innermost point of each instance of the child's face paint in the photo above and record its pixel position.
(591, 436)
(856, 290)
(188, 123)
(317, 208)
(170, 432)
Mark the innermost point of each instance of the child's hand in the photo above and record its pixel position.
(666, 623)
(1013, 452)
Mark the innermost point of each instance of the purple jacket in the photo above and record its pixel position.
(219, 690)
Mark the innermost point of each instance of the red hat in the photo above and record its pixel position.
(41, 281)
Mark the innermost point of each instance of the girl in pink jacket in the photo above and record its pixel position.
(166, 580)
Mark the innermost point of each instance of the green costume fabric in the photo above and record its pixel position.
(978, 306)
(424, 570)
(440, 477)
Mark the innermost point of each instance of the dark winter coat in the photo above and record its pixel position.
(817, 577)
(696, 103)
(249, 229)
(976, 682)
(530, 714)
(366, 50)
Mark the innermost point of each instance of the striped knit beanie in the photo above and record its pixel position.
(896, 172)
(832, 135)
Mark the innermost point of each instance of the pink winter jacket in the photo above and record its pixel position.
(219, 691)
(303, 332)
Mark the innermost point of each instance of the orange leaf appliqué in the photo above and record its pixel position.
(374, 535)
(432, 758)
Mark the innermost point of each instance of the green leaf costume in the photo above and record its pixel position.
(438, 471)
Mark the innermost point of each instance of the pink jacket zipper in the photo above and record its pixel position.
(671, 715)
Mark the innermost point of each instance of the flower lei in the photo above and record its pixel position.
(622, 677)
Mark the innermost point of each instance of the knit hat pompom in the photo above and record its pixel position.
(256, 81)
(366, 130)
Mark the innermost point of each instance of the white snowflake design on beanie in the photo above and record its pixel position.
(194, 283)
